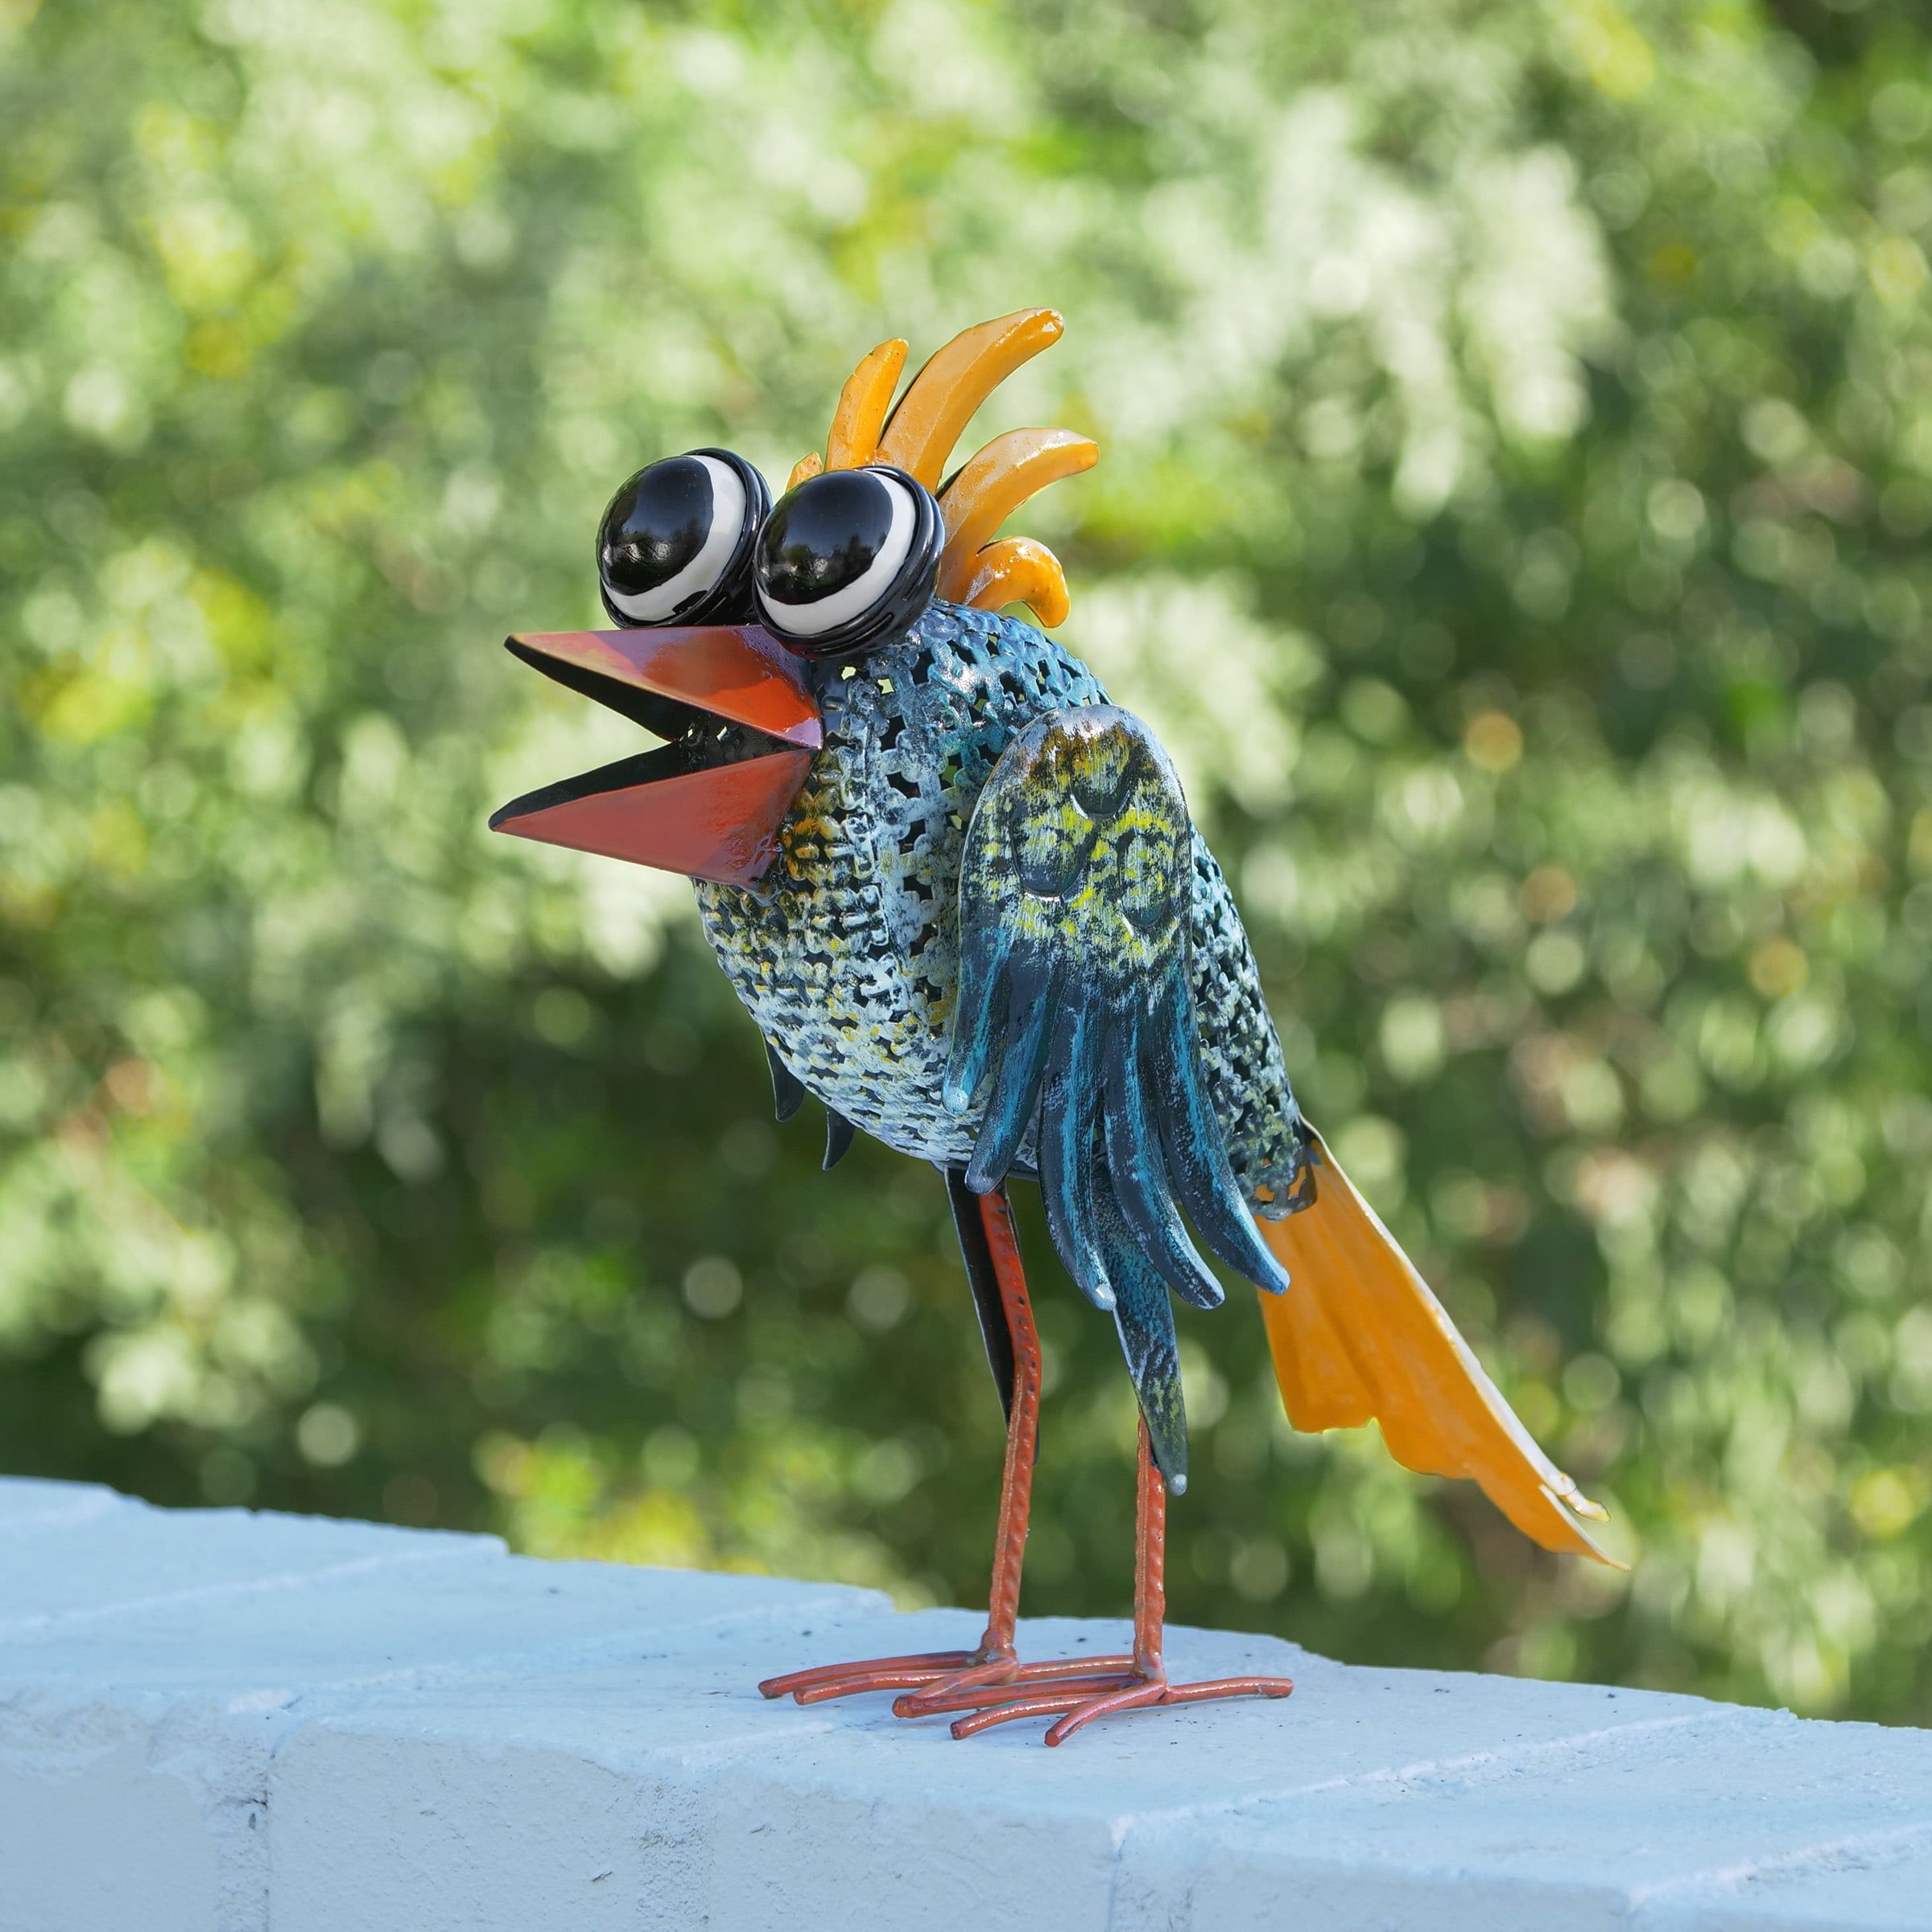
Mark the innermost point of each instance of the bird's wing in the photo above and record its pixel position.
(1076, 1032)
(1362, 1339)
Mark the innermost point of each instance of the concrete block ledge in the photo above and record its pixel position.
(211, 1721)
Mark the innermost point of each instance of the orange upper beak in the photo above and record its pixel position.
(742, 725)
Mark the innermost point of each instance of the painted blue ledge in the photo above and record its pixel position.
(216, 1721)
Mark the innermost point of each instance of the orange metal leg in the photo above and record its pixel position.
(1022, 1428)
(990, 1684)
(994, 1660)
(1076, 1693)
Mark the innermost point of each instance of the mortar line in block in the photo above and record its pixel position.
(1485, 1766)
(1852, 1851)
(1497, 1762)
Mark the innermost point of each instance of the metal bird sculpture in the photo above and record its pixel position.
(961, 894)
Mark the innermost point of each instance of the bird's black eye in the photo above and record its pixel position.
(847, 559)
(675, 544)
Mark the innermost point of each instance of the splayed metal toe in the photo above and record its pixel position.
(1082, 1692)
(825, 1681)
(1076, 1691)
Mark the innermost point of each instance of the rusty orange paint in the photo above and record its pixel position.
(737, 672)
(863, 402)
(1359, 1337)
(1008, 470)
(959, 377)
(721, 824)
(1017, 570)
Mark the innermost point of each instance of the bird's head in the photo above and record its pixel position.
(732, 609)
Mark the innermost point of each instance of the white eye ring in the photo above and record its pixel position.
(703, 571)
(855, 599)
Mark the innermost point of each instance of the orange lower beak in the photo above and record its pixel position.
(742, 726)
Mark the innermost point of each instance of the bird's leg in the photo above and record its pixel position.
(1022, 1428)
(991, 1245)
(995, 1670)
(1070, 1692)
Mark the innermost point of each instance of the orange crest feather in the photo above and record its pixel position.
(918, 434)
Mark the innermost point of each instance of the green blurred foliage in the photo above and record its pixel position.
(1517, 421)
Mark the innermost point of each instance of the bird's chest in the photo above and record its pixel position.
(846, 954)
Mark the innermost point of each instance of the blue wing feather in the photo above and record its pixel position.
(1136, 1167)
(1067, 1166)
(1075, 1016)
(1143, 1319)
(1033, 999)
(1197, 1160)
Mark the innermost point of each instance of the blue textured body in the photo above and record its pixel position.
(846, 953)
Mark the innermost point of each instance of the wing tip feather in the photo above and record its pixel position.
(1574, 1539)
(1346, 1351)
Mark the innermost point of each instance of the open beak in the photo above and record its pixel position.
(742, 727)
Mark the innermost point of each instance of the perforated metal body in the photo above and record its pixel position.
(847, 952)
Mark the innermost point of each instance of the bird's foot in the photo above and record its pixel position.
(1074, 1692)
(967, 1677)
(934, 1668)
